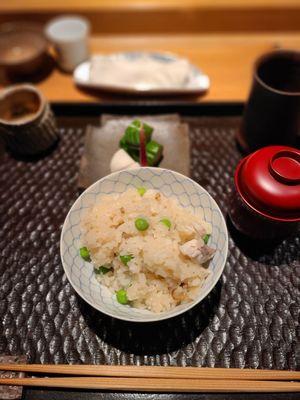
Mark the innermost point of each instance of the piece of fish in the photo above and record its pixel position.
(197, 249)
(206, 253)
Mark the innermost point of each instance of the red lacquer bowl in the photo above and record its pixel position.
(265, 202)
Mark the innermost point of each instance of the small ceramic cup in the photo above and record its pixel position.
(27, 124)
(69, 35)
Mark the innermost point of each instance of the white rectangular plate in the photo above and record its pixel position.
(197, 82)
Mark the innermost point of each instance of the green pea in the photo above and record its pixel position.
(141, 191)
(166, 222)
(141, 224)
(126, 258)
(206, 238)
(85, 254)
(104, 269)
(122, 296)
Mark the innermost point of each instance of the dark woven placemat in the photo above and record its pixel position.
(251, 319)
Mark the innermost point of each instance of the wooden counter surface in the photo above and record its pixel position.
(227, 59)
(58, 5)
(164, 16)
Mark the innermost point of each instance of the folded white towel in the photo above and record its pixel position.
(141, 73)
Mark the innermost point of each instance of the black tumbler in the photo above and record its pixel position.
(272, 114)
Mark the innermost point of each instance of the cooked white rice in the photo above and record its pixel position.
(159, 277)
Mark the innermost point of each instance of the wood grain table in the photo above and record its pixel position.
(164, 16)
(227, 59)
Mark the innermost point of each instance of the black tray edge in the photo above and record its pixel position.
(93, 109)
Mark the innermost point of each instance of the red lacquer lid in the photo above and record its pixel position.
(268, 180)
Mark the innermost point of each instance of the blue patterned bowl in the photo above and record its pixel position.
(171, 184)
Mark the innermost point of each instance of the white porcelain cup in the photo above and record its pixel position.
(69, 35)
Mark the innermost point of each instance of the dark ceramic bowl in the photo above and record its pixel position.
(23, 49)
(27, 124)
(271, 115)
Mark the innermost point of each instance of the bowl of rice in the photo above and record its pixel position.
(144, 245)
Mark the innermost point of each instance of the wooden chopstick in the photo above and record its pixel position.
(133, 371)
(157, 384)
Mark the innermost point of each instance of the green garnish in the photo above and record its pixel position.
(166, 222)
(154, 152)
(104, 269)
(85, 254)
(123, 143)
(131, 136)
(206, 238)
(133, 152)
(141, 191)
(122, 296)
(141, 224)
(126, 258)
(130, 142)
